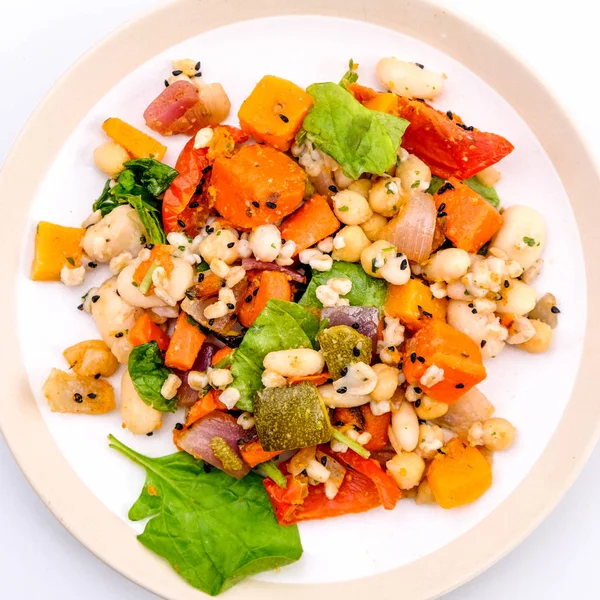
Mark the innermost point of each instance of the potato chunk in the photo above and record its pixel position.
(91, 357)
(72, 393)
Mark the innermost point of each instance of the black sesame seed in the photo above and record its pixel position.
(459, 386)
(427, 314)
(119, 334)
(178, 426)
(78, 398)
(95, 298)
(194, 204)
(207, 468)
(344, 371)
(199, 190)
(149, 246)
(177, 72)
(209, 229)
(333, 189)
(555, 310)
(91, 395)
(92, 265)
(223, 284)
(440, 451)
(97, 375)
(211, 322)
(421, 359)
(420, 65)
(404, 265)
(255, 292)
(418, 403)
(355, 326)
(207, 169)
(421, 421)
(198, 74)
(150, 433)
(446, 187)
(339, 423)
(413, 357)
(471, 305)
(449, 115)
(465, 127)
(180, 223)
(474, 311)
(342, 390)
(355, 351)
(418, 390)
(441, 215)
(391, 348)
(442, 207)
(284, 118)
(230, 306)
(166, 83)
(249, 299)
(400, 365)
(506, 283)
(255, 204)
(80, 307)
(197, 67)
(271, 205)
(323, 460)
(483, 343)
(201, 278)
(231, 244)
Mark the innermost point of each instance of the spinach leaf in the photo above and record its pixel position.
(155, 176)
(213, 529)
(361, 140)
(280, 326)
(489, 193)
(435, 184)
(148, 373)
(366, 290)
(150, 219)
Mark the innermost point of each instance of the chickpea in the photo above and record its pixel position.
(351, 208)
(447, 265)
(220, 244)
(387, 196)
(362, 187)
(349, 243)
(414, 174)
(540, 342)
(406, 469)
(265, 242)
(424, 493)
(519, 299)
(373, 228)
(498, 434)
(431, 438)
(341, 181)
(375, 256)
(387, 382)
(430, 409)
(109, 158)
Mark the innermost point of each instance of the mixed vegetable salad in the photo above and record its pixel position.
(320, 290)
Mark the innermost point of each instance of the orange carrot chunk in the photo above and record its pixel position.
(219, 355)
(273, 284)
(254, 454)
(274, 111)
(207, 404)
(185, 344)
(378, 426)
(256, 186)
(311, 223)
(471, 220)
(438, 344)
(414, 304)
(145, 330)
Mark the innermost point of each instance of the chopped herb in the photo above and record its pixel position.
(416, 184)
(70, 261)
(529, 241)
(343, 208)
(147, 281)
(374, 267)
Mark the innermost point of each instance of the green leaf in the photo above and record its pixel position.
(489, 193)
(366, 290)
(148, 374)
(213, 529)
(155, 176)
(361, 140)
(350, 76)
(435, 184)
(150, 220)
(280, 326)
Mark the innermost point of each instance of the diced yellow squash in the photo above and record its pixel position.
(55, 247)
(136, 142)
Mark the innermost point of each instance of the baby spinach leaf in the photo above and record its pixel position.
(360, 139)
(155, 176)
(366, 290)
(150, 219)
(280, 326)
(148, 374)
(435, 184)
(489, 193)
(213, 529)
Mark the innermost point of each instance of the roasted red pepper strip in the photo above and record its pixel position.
(447, 148)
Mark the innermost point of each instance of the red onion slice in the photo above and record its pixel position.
(251, 264)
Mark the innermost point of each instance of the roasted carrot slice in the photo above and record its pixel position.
(254, 454)
(377, 426)
(273, 284)
(145, 330)
(185, 344)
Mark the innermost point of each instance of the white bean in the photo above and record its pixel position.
(137, 416)
(351, 208)
(522, 236)
(334, 400)
(405, 426)
(109, 158)
(406, 469)
(408, 80)
(519, 299)
(298, 362)
(447, 265)
(360, 379)
(217, 245)
(387, 382)
(395, 270)
(265, 242)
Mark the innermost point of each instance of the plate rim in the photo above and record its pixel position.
(68, 498)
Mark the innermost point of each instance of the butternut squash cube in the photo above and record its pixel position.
(55, 247)
(414, 304)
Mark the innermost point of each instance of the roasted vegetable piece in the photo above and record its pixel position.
(365, 319)
(414, 304)
(257, 175)
(544, 311)
(204, 406)
(137, 416)
(274, 111)
(72, 393)
(91, 358)
(55, 247)
(137, 143)
(291, 417)
(459, 474)
(343, 346)
(270, 284)
(438, 344)
(145, 330)
(447, 148)
(311, 223)
(386, 102)
(468, 409)
(471, 220)
(378, 426)
(186, 341)
(252, 451)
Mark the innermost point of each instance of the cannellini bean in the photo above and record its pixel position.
(408, 80)
(265, 242)
(541, 340)
(351, 208)
(522, 236)
(119, 231)
(317, 471)
(387, 196)
(220, 244)
(137, 416)
(447, 265)
(414, 174)
(519, 299)
(387, 382)
(375, 256)
(498, 434)
(373, 228)
(230, 397)
(405, 426)
(406, 469)
(334, 400)
(354, 242)
(298, 362)
(109, 158)
(361, 186)
(360, 379)
(430, 409)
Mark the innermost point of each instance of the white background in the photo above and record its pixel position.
(38, 558)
